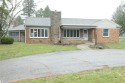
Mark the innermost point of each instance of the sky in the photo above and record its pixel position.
(89, 9)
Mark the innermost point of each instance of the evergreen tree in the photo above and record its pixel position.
(28, 7)
(47, 12)
(18, 21)
(39, 13)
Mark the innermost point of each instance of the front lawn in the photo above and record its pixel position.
(120, 45)
(19, 49)
(108, 75)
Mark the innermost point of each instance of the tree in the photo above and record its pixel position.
(39, 13)
(8, 11)
(119, 17)
(47, 12)
(3, 16)
(43, 13)
(18, 21)
(28, 7)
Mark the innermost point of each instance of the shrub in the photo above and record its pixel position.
(7, 40)
(96, 46)
(99, 47)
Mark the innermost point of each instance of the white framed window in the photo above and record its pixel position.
(71, 33)
(39, 33)
(105, 32)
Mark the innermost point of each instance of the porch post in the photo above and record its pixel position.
(19, 35)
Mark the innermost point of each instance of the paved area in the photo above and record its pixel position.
(59, 63)
(85, 46)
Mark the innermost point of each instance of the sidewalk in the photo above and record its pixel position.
(85, 46)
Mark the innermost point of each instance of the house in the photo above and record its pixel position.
(18, 33)
(70, 30)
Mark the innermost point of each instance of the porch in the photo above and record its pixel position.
(18, 35)
(77, 34)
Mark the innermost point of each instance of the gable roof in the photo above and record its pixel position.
(37, 21)
(105, 23)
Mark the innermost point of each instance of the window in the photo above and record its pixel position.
(105, 32)
(71, 33)
(14, 33)
(39, 33)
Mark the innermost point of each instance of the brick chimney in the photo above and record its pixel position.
(55, 26)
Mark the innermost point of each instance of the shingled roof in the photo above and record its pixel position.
(37, 21)
(78, 21)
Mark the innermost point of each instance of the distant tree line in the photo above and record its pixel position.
(29, 10)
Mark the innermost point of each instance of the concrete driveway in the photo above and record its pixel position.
(59, 63)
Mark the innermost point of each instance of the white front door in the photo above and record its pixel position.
(85, 34)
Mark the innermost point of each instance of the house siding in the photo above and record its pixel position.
(113, 36)
(36, 40)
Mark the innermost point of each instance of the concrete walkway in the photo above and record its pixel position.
(85, 46)
(59, 63)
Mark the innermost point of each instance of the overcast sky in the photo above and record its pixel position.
(93, 9)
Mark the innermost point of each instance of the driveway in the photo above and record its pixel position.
(59, 63)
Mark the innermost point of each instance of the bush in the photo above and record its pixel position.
(96, 46)
(7, 40)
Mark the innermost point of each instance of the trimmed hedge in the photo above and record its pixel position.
(7, 40)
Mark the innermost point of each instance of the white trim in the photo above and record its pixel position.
(39, 37)
(40, 32)
(108, 32)
(73, 32)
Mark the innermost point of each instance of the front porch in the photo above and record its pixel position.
(81, 35)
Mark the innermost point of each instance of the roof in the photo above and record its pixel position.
(37, 21)
(100, 23)
(20, 27)
(78, 21)
(105, 23)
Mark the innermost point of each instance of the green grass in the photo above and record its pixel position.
(21, 49)
(108, 75)
(120, 45)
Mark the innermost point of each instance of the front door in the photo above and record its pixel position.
(85, 34)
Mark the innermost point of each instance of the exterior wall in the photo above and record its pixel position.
(72, 40)
(113, 36)
(55, 26)
(36, 40)
(91, 35)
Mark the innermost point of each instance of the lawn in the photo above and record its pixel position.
(108, 75)
(120, 45)
(19, 49)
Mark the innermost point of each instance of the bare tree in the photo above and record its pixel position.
(8, 11)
